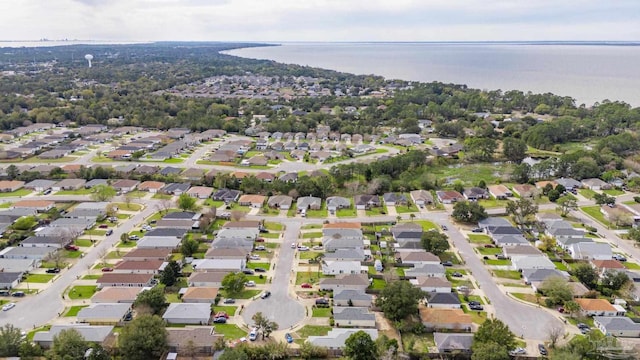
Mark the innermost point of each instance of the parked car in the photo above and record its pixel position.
(303, 248)
(107, 269)
(250, 283)
(322, 301)
(288, 337)
(619, 257)
(8, 306)
(18, 294)
(306, 286)
(444, 227)
(542, 350)
(501, 257)
(265, 294)
(109, 232)
(46, 192)
(134, 237)
(253, 335)
(456, 274)
(128, 316)
(260, 240)
(476, 307)
(53, 271)
(113, 219)
(229, 301)
(261, 270)
(476, 230)
(221, 314)
(317, 247)
(72, 248)
(254, 257)
(260, 248)
(220, 320)
(447, 263)
(517, 351)
(248, 271)
(103, 226)
(293, 245)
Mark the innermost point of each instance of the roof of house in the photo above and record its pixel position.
(444, 316)
(443, 298)
(95, 334)
(116, 294)
(349, 294)
(337, 336)
(342, 225)
(346, 279)
(617, 323)
(139, 265)
(210, 276)
(534, 275)
(242, 224)
(187, 311)
(198, 336)
(453, 341)
(348, 313)
(418, 256)
(194, 293)
(161, 232)
(151, 185)
(33, 203)
(200, 190)
(431, 281)
(607, 264)
(114, 278)
(147, 253)
(250, 198)
(595, 304)
(449, 195)
(520, 250)
(280, 200)
(104, 311)
(225, 252)
(125, 183)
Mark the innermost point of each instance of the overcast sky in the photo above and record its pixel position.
(320, 20)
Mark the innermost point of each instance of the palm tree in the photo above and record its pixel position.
(412, 216)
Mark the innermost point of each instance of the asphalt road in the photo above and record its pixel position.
(33, 311)
(280, 307)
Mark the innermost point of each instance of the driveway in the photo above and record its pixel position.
(280, 307)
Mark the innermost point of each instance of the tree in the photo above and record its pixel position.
(68, 344)
(103, 193)
(480, 148)
(309, 351)
(571, 307)
(634, 234)
(586, 274)
(489, 351)
(468, 212)
(399, 299)
(233, 283)
(186, 202)
(494, 330)
(554, 195)
(614, 280)
(360, 346)
(144, 338)
(263, 324)
(25, 223)
(434, 242)
(522, 210)
(566, 204)
(170, 273)
(555, 333)
(604, 199)
(189, 247)
(98, 353)
(10, 340)
(152, 298)
(514, 149)
(557, 290)
(236, 353)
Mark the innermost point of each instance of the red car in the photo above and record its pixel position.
(221, 314)
(107, 269)
(103, 226)
(72, 248)
(306, 286)
(260, 240)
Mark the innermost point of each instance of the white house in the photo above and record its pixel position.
(432, 284)
(330, 267)
(531, 262)
(352, 298)
(590, 251)
(348, 316)
(188, 313)
(618, 326)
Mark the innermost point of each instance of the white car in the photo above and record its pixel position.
(254, 257)
(303, 248)
(8, 307)
(293, 245)
(253, 335)
(250, 283)
(517, 351)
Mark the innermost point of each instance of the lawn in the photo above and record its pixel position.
(129, 206)
(320, 312)
(17, 193)
(374, 211)
(560, 266)
(172, 297)
(427, 225)
(313, 330)
(449, 256)
(257, 279)
(271, 235)
(507, 274)
(91, 277)
(114, 255)
(588, 193)
(162, 196)
(311, 226)
(173, 161)
(479, 239)
(71, 254)
(418, 343)
(378, 284)
(95, 232)
(255, 265)
(292, 210)
(492, 203)
(594, 212)
(471, 174)
(81, 292)
(310, 277)
(525, 297)
(83, 242)
(230, 310)
(349, 212)
(631, 265)
(273, 226)
(82, 191)
(312, 235)
(39, 278)
(74, 310)
(409, 208)
(613, 192)
(497, 262)
(64, 159)
(230, 331)
(5, 205)
(137, 194)
(128, 244)
(307, 255)
(245, 294)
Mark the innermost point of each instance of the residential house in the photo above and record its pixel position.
(618, 326)
(170, 170)
(159, 242)
(492, 222)
(449, 196)
(443, 300)
(176, 189)
(226, 253)
(334, 267)
(265, 176)
(40, 206)
(207, 279)
(352, 298)
(353, 254)
(603, 266)
(254, 201)
(336, 337)
(308, 203)
(289, 177)
(348, 316)
(531, 276)
(599, 307)
(334, 239)
(205, 295)
(188, 313)
(569, 183)
(435, 319)
(151, 186)
(137, 254)
(531, 262)
(345, 281)
(448, 343)
(46, 241)
(393, 199)
(334, 203)
(113, 295)
(499, 192)
(595, 184)
(125, 185)
(590, 251)
(68, 184)
(10, 185)
(282, 202)
(200, 340)
(227, 195)
(525, 190)
(425, 270)
(124, 280)
(9, 280)
(224, 265)
(104, 313)
(39, 185)
(364, 202)
(475, 194)
(184, 220)
(139, 267)
(200, 192)
(418, 257)
(192, 174)
(19, 265)
(421, 198)
(91, 334)
(503, 240)
(407, 235)
(432, 284)
(516, 251)
(20, 252)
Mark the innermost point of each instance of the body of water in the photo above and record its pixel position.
(587, 72)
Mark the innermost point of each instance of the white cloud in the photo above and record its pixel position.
(321, 20)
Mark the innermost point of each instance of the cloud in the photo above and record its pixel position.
(322, 20)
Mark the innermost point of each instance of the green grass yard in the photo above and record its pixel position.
(81, 191)
(321, 312)
(313, 330)
(230, 331)
(588, 193)
(74, 310)
(39, 278)
(479, 239)
(273, 226)
(375, 211)
(245, 294)
(613, 192)
(308, 277)
(349, 212)
(507, 274)
(17, 193)
(82, 292)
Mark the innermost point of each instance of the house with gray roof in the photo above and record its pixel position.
(91, 334)
(46, 241)
(407, 235)
(188, 313)
(9, 280)
(590, 251)
(39, 185)
(345, 281)
(21, 252)
(282, 202)
(348, 316)
(569, 183)
(18, 265)
(509, 240)
(364, 202)
(428, 270)
(308, 203)
(421, 197)
(618, 326)
(353, 254)
(531, 276)
(85, 213)
(159, 242)
(493, 222)
(337, 202)
(336, 337)
(176, 189)
(166, 232)
(443, 300)
(225, 265)
(393, 199)
(453, 342)
(104, 313)
(95, 182)
(565, 243)
(347, 297)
